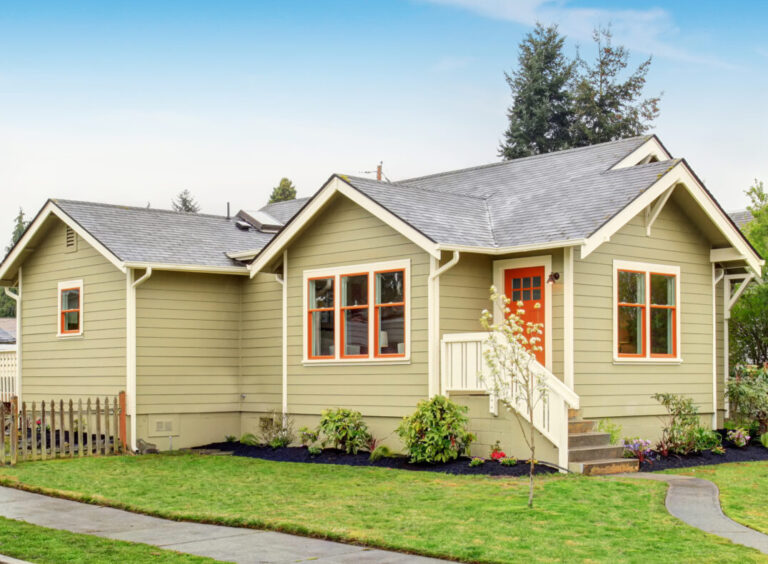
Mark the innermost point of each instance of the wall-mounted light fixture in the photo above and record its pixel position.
(553, 277)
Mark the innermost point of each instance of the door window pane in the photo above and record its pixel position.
(321, 293)
(355, 332)
(630, 330)
(526, 282)
(389, 287)
(391, 325)
(322, 333)
(631, 287)
(515, 283)
(537, 294)
(536, 281)
(662, 289)
(354, 290)
(662, 328)
(526, 295)
(516, 295)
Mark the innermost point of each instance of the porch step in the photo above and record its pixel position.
(576, 440)
(577, 427)
(574, 414)
(590, 453)
(605, 466)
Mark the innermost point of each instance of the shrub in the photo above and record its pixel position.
(637, 448)
(679, 435)
(764, 440)
(739, 437)
(748, 395)
(706, 439)
(249, 439)
(307, 436)
(436, 432)
(613, 429)
(277, 429)
(230, 439)
(279, 442)
(477, 462)
(380, 452)
(314, 450)
(509, 461)
(720, 450)
(344, 429)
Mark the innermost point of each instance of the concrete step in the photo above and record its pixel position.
(589, 453)
(574, 414)
(605, 466)
(578, 427)
(588, 439)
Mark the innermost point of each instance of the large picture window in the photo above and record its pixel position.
(357, 313)
(647, 311)
(70, 310)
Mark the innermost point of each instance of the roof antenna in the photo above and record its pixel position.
(227, 210)
(379, 172)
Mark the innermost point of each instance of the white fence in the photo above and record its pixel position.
(7, 375)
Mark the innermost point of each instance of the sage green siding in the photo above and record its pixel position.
(262, 344)
(188, 343)
(89, 365)
(609, 389)
(346, 234)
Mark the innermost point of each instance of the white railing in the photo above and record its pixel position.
(7, 375)
(463, 367)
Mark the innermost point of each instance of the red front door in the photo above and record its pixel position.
(527, 285)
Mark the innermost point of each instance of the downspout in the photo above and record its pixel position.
(17, 299)
(131, 336)
(433, 288)
(717, 276)
(280, 278)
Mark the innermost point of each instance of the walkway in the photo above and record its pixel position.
(229, 544)
(696, 502)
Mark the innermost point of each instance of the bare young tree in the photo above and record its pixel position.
(512, 375)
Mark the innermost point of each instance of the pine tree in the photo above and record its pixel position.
(540, 115)
(607, 108)
(284, 191)
(184, 202)
(8, 305)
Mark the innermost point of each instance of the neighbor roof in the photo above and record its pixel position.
(741, 217)
(6, 338)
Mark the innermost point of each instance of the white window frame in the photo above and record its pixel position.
(647, 268)
(69, 285)
(336, 273)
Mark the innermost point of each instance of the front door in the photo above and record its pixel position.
(527, 285)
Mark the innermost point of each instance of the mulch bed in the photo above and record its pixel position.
(752, 452)
(332, 456)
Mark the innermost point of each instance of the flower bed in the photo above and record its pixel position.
(333, 456)
(752, 452)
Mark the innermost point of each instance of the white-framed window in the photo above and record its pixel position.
(69, 321)
(646, 312)
(358, 313)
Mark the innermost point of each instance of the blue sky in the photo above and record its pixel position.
(131, 102)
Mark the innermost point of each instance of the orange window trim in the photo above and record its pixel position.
(377, 306)
(644, 331)
(64, 312)
(311, 310)
(674, 316)
(344, 308)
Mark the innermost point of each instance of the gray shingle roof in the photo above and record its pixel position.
(741, 217)
(284, 211)
(542, 199)
(7, 338)
(163, 236)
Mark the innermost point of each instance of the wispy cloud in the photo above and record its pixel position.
(645, 31)
(450, 64)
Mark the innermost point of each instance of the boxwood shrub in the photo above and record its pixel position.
(436, 432)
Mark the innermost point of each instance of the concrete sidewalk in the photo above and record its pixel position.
(229, 544)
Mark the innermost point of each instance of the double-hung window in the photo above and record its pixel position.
(647, 311)
(70, 310)
(358, 313)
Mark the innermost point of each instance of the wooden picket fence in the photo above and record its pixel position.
(62, 429)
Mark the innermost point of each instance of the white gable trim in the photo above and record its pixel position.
(335, 186)
(651, 149)
(678, 175)
(52, 209)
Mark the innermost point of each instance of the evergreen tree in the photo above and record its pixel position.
(607, 108)
(284, 191)
(184, 202)
(539, 118)
(8, 305)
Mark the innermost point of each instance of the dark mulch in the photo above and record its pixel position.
(752, 452)
(332, 456)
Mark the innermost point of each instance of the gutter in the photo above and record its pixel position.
(131, 346)
(433, 328)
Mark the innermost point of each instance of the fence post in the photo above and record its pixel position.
(14, 429)
(123, 427)
(24, 423)
(33, 446)
(86, 426)
(80, 431)
(43, 441)
(2, 432)
(106, 426)
(98, 426)
(53, 429)
(71, 435)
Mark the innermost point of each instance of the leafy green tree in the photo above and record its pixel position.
(184, 202)
(283, 192)
(607, 107)
(540, 115)
(8, 305)
(757, 229)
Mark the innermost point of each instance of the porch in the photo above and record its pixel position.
(8, 375)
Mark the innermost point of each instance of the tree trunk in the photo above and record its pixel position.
(533, 454)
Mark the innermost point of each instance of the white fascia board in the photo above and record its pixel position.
(337, 186)
(728, 254)
(678, 174)
(49, 209)
(651, 148)
(512, 250)
(241, 270)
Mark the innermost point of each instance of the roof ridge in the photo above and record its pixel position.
(138, 208)
(285, 202)
(517, 160)
(404, 185)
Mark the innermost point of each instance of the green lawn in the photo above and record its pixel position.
(463, 517)
(743, 490)
(42, 545)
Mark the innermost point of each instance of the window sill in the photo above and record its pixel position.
(355, 361)
(69, 335)
(619, 360)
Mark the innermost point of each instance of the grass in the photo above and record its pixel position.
(470, 518)
(743, 490)
(42, 545)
